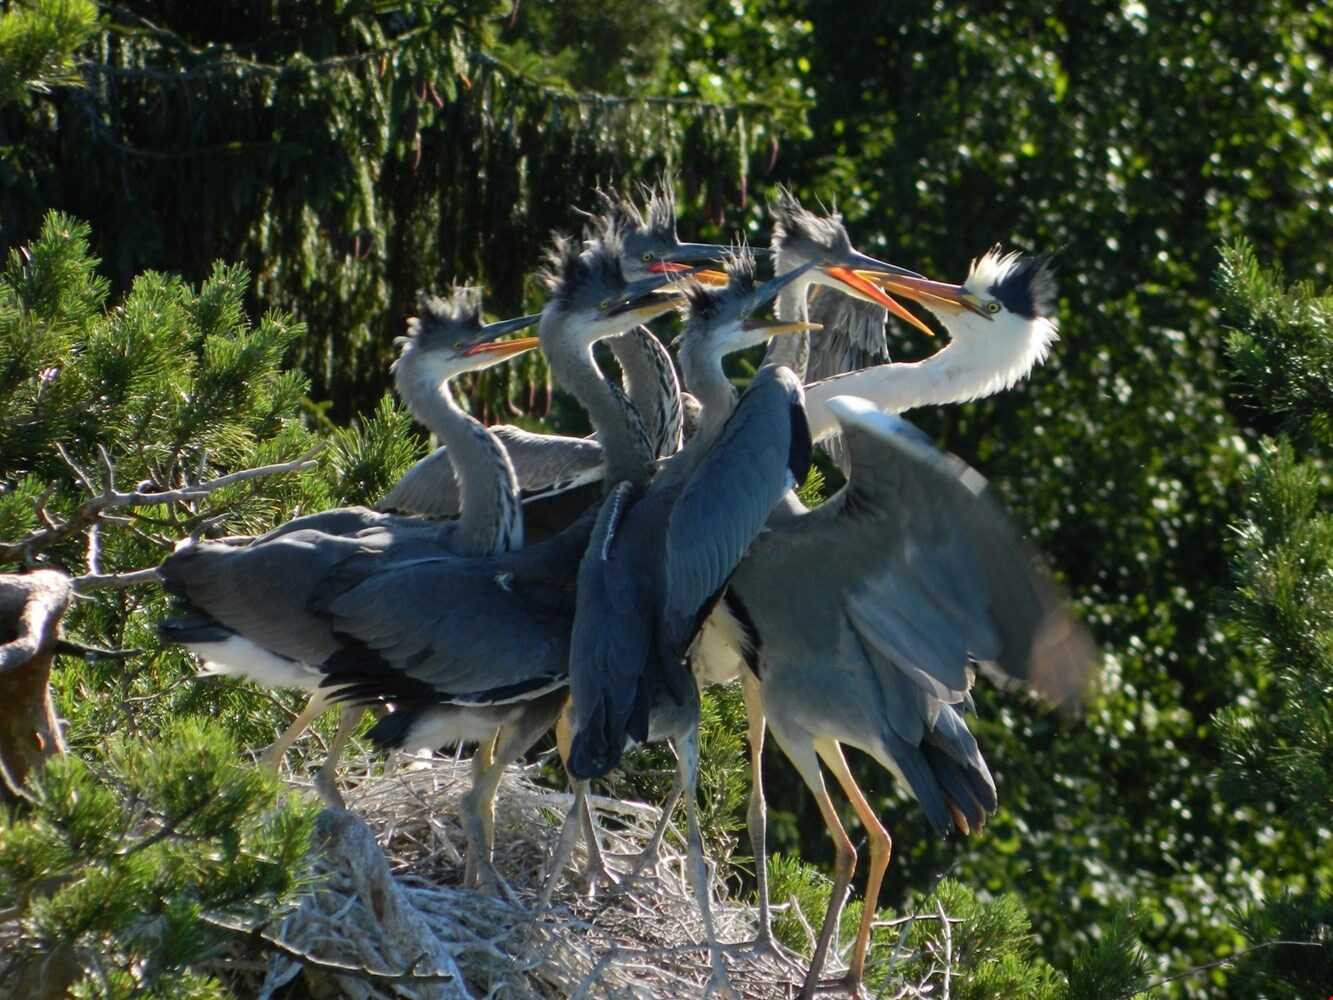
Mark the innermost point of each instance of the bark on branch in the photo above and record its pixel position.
(31, 606)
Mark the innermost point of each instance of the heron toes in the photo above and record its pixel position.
(845, 985)
(720, 985)
(769, 947)
(482, 876)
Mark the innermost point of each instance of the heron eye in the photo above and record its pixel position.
(458, 346)
(992, 307)
(604, 305)
(647, 255)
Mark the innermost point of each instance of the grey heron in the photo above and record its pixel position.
(646, 243)
(460, 645)
(444, 340)
(634, 619)
(861, 620)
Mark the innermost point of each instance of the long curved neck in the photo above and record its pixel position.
(792, 350)
(959, 372)
(651, 384)
(628, 455)
(489, 517)
(708, 381)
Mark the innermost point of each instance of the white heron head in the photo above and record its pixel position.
(1002, 317)
(446, 338)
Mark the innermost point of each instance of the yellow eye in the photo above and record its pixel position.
(604, 305)
(992, 307)
(458, 345)
(647, 256)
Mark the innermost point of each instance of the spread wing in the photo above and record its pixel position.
(952, 581)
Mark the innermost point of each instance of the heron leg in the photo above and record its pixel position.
(473, 810)
(801, 750)
(326, 778)
(565, 843)
(314, 708)
(756, 816)
(579, 815)
(509, 744)
(650, 853)
(881, 847)
(688, 751)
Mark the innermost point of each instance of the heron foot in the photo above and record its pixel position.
(845, 985)
(720, 983)
(769, 947)
(481, 876)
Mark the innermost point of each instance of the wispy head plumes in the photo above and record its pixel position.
(569, 268)
(442, 317)
(702, 301)
(1024, 285)
(797, 229)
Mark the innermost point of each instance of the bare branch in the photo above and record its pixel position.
(93, 509)
(114, 581)
(327, 965)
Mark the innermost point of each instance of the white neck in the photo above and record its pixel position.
(981, 359)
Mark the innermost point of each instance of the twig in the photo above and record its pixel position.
(327, 965)
(70, 648)
(948, 946)
(1221, 961)
(114, 581)
(108, 497)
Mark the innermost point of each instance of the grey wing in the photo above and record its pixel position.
(955, 582)
(345, 521)
(543, 463)
(445, 629)
(761, 454)
(609, 646)
(260, 592)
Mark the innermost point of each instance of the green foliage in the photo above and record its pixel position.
(123, 875)
(37, 44)
(1281, 345)
(369, 458)
(351, 154)
(1279, 737)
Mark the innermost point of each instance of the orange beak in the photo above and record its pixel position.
(504, 348)
(927, 292)
(863, 289)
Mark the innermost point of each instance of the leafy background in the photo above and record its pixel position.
(1170, 459)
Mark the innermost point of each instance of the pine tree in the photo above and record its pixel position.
(1279, 739)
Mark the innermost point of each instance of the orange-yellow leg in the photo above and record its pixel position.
(756, 817)
(801, 750)
(881, 847)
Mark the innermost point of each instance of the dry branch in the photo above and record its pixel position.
(107, 497)
(31, 606)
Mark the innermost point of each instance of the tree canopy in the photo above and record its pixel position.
(1171, 460)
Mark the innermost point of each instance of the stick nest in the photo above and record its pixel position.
(387, 914)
